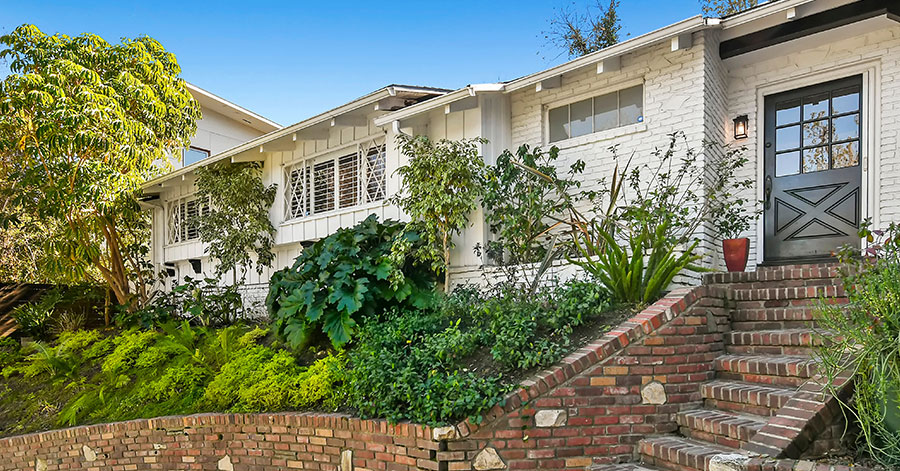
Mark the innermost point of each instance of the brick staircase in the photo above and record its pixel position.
(765, 399)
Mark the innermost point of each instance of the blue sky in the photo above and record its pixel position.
(290, 60)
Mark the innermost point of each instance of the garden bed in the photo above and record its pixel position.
(433, 365)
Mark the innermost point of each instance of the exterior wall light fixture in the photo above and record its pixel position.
(740, 127)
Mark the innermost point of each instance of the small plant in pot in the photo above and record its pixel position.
(730, 213)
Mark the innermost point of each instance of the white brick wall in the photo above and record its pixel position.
(878, 48)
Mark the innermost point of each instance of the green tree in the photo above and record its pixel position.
(722, 8)
(237, 224)
(82, 124)
(583, 32)
(441, 185)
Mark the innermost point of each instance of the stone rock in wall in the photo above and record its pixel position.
(225, 464)
(488, 459)
(550, 418)
(347, 460)
(653, 393)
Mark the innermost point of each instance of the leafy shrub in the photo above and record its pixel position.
(441, 187)
(35, 319)
(201, 302)
(640, 239)
(413, 364)
(523, 207)
(348, 275)
(402, 369)
(261, 379)
(863, 338)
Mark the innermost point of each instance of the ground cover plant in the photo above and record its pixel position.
(863, 338)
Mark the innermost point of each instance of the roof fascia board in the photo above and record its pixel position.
(433, 103)
(240, 109)
(254, 144)
(762, 11)
(688, 25)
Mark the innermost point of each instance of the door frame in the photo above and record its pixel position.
(870, 70)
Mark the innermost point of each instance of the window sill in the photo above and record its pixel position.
(181, 244)
(599, 136)
(333, 212)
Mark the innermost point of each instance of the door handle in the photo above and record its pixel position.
(768, 192)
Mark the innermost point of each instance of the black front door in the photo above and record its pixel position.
(812, 170)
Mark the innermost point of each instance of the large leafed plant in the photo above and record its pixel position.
(82, 124)
(352, 273)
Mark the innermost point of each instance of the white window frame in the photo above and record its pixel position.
(595, 135)
(176, 226)
(369, 184)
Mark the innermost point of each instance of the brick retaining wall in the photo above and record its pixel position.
(226, 442)
(592, 408)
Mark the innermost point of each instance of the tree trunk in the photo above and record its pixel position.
(446, 263)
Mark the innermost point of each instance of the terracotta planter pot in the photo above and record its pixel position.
(736, 253)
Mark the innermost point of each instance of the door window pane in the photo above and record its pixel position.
(559, 123)
(580, 115)
(787, 112)
(845, 155)
(815, 159)
(631, 108)
(815, 107)
(815, 133)
(846, 127)
(606, 112)
(845, 101)
(787, 163)
(787, 138)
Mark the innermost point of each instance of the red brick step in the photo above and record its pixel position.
(679, 453)
(798, 341)
(715, 426)
(751, 398)
(784, 370)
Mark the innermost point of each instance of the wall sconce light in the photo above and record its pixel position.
(740, 127)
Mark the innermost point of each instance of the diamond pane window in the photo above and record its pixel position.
(320, 185)
(184, 219)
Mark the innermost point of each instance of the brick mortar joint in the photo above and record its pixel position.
(669, 307)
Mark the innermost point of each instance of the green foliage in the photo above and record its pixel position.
(83, 123)
(731, 211)
(523, 204)
(263, 380)
(237, 227)
(862, 338)
(10, 352)
(721, 8)
(35, 319)
(350, 274)
(442, 184)
(645, 236)
(180, 369)
(414, 364)
(199, 301)
(582, 32)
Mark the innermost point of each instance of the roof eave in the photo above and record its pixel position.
(365, 100)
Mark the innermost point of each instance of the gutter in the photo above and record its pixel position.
(454, 96)
(675, 30)
(686, 26)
